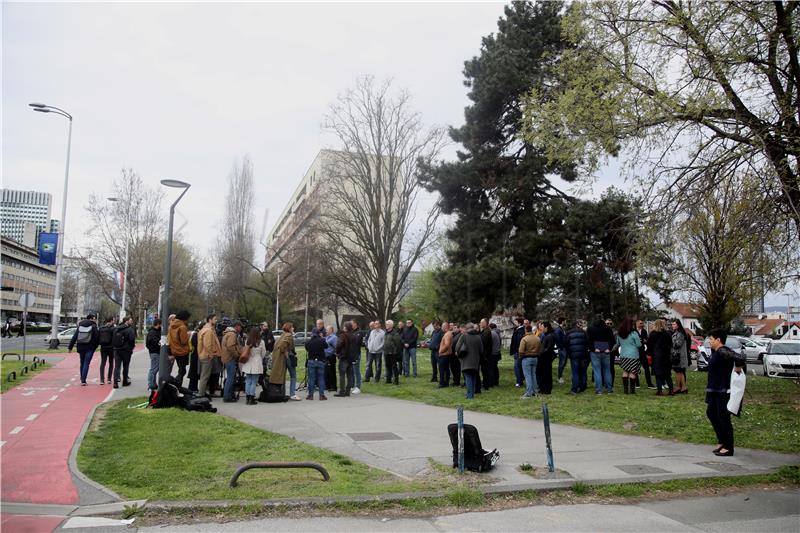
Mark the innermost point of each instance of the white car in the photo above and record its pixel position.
(754, 348)
(704, 354)
(782, 359)
(63, 336)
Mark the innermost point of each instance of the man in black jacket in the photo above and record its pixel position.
(153, 344)
(315, 347)
(268, 337)
(85, 337)
(484, 381)
(409, 337)
(576, 345)
(516, 337)
(124, 341)
(345, 354)
(601, 339)
(105, 335)
(642, 331)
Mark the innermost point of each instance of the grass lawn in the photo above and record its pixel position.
(12, 365)
(171, 454)
(770, 420)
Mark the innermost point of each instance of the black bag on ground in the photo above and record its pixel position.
(166, 396)
(273, 393)
(199, 403)
(475, 457)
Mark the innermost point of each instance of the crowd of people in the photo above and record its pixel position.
(215, 357)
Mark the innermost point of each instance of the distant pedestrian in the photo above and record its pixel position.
(529, 348)
(356, 354)
(659, 347)
(7, 328)
(124, 341)
(153, 344)
(208, 348)
(194, 360)
(377, 335)
(722, 363)
(643, 362)
(251, 363)
(455, 361)
(513, 349)
(86, 339)
(494, 360)
(330, 359)
(409, 336)
(345, 353)
(433, 344)
(284, 345)
(267, 337)
(601, 340)
(445, 352)
(629, 344)
(547, 354)
(680, 356)
(392, 352)
(576, 345)
(231, 350)
(560, 333)
(485, 378)
(470, 350)
(105, 337)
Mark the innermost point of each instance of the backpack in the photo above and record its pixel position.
(105, 335)
(165, 396)
(84, 334)
(119, 337)
(475, 457)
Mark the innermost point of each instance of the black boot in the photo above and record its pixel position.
(633, 386)
(625, 385)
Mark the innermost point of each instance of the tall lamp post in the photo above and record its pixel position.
(56, 318)
(125, 272)
(163, 363)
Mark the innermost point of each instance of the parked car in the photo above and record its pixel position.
(694, 349)
(782, 359)
(754, 349)
(63, 336)
(704, 353)
(277, 333)
(300, 338)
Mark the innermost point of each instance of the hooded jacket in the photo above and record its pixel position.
(207, 343)
(230, 345)
(473, 345)
(89, 346)
(178, 338)
(153, 340)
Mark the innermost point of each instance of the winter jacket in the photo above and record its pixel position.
(93, 342)
(720, 366)
(486, 339)
(436, 339)
(208, 343)
(576, 344)
(529, 345)
(269, 340)
(230, 346)
(130, 338)
(107, 332)
(516, 337)
(178, 339)
(353, 346)
(659, 347)
(446, 346)
(547, 350)
(561, 338)
(471, 346)
(153, 340)
(375, 340)
(629, 346)
(680, 349)
(255, 363)
(330, 346)
(497, 344)
(391, 343)
(280, 358)
(315, 347)
(409, 336)
(599, 332)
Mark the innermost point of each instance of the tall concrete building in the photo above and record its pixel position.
(19, 209)
(20, 270)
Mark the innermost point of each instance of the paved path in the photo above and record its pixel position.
(41, 419)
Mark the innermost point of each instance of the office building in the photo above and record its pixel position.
(25, 214)
(20, 270)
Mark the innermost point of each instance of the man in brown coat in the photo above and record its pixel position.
(445, 353)
(230, 359)
(207, 348)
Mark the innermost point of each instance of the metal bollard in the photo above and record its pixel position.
(460, 412)
(546, 414)
(244, 468)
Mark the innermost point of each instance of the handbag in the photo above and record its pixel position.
(245, 357)
(292, 359)
(738, 382)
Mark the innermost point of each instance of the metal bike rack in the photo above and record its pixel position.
(244, 468)
(12, 373)
(19, 357)
(23, 371)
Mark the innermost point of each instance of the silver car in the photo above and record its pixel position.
(63, 336)
(782, 359)
(732, 342)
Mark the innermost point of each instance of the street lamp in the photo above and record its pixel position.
(163, 363)
(56, 318)
(125, 272)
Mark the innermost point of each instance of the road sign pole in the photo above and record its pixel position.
(25, 326)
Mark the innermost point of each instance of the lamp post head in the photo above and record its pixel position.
(41, 109)
(37, 105)
(112, 199)
(178, 184)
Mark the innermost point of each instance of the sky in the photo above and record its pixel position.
(183, 90)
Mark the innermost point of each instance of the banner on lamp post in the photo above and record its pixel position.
(48, 246)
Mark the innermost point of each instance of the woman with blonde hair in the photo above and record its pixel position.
(659, 347)
(251, 363)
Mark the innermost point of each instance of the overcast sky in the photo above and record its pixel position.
(183, 90)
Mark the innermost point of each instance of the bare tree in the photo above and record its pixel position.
(368, 226)
(236, 240)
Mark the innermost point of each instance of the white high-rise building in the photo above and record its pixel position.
(19, 207)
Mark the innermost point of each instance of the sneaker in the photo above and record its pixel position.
(102, 382)
(599, 393)
(560, 381)
(517, 385)
(116, 384)
(295, 398)
(355, 390)
(83, 383)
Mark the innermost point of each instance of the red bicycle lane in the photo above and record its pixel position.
(41, 419)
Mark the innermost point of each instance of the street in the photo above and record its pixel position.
(35, 343)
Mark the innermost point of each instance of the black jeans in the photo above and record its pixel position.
(444, 370)
(122, 361)
(392, 367)
(194, 372)
(182, 361)
(544, 373)
(330, 374)
(484, 379)
(717, 412)
(345, 376)
(665, 382)
(455, 369)
(435, 365)
(106, 355)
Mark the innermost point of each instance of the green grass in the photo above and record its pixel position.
(171, 454)
(10, 365)
(770, 421)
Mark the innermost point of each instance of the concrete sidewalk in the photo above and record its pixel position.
(400, 436)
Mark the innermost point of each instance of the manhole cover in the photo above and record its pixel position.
(721, 467)
(638, 470)
(359, 437)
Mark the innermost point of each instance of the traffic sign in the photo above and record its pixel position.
(27, 299)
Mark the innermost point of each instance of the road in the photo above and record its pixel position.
(751, 511)
(35, 343)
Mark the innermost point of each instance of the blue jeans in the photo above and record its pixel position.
(356, 370)
(409, 357)
(577, 364)
(601, 370)
(292, 380)
(529, 370)
(153, 372)
(86, 360)
(375, 358)
(316, 377)
(470, 379)
(562, 362)
(518, 374)
(230, 377)
(250, 384)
